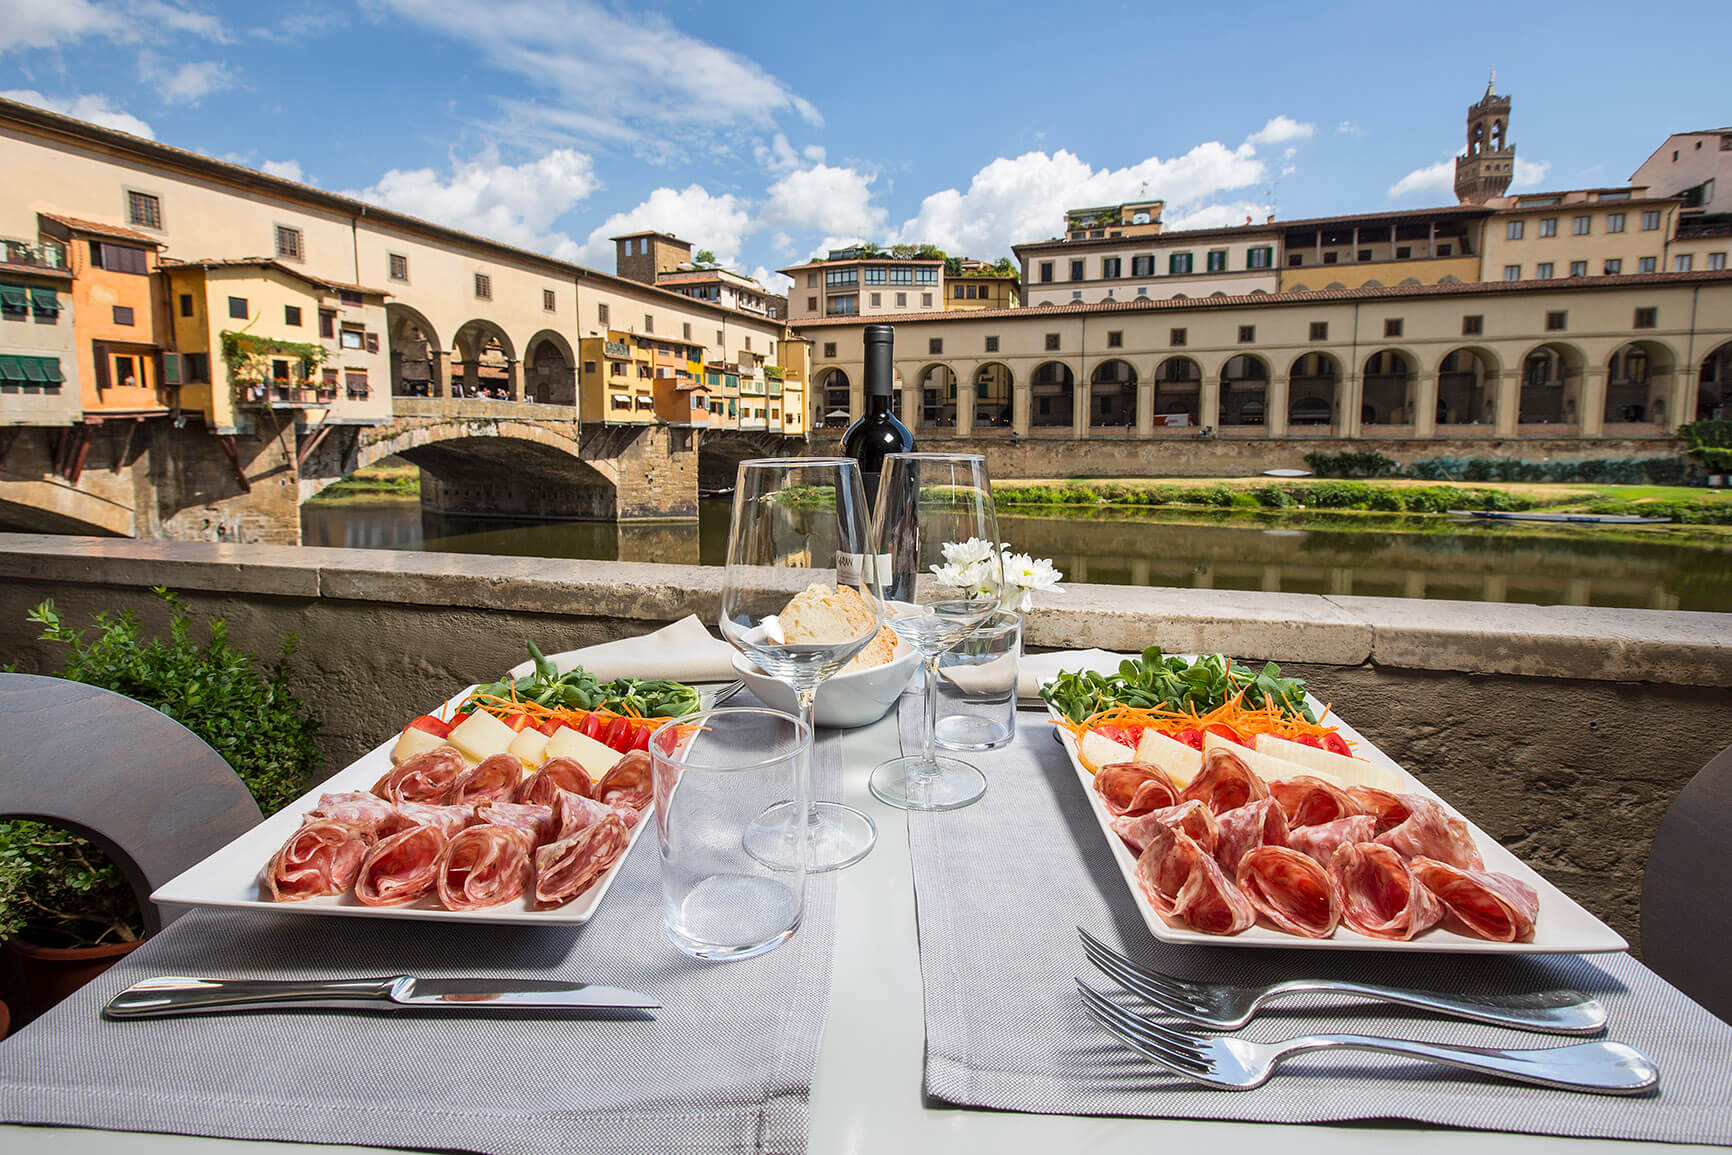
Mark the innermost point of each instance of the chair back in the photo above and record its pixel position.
(140, 785)
(1687, 890)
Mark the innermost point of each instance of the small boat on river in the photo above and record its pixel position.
(1576, 518)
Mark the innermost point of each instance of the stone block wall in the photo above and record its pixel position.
(658, 474)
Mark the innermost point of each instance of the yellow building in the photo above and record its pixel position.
(115, 315)
(1438, 246)
(981, 289)
(1603, 232)
(617, 384)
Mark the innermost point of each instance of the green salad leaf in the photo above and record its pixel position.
(1154, 681)
(577, 689)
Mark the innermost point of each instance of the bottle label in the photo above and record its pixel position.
(853, 569)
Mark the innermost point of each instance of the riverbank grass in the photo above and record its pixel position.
(389, 482)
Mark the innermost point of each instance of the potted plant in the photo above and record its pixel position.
(1711, 444)
(66, 912)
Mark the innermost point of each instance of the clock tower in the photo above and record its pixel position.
(1489, 165)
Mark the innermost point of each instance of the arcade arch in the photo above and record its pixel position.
(1386, 388)
(1052, 396)
(1178, 395)
(1551, 385)
(1244, 391)
(1113, 396)
(994, 399)
(1467, 384)
(1313, 389)
(1639, 384)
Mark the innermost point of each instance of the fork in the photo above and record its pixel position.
(1237, 1065)
(1560, 1012)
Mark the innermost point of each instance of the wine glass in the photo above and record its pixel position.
(933, 600)
(801, 524)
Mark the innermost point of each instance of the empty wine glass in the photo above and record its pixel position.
(801, 526)
(925, 501)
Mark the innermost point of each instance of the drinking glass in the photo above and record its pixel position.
(715, 777)
(977, 686)
(926, 500)
(800, 522)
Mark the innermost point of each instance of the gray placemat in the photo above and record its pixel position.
(1001, 886)
(726, 1065)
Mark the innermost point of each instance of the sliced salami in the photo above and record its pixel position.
(1184, 883)
(1319, 842)
(427, 777)
(1189, 818)
(494, 780)
(1389, 810)
(359, 808)
(533, 822)
(1380, 898)
(1291, 890)
(483, 866)
(1135, 788)
(567, 868)
(400, 868)
(1254, 824)
(449, 819)
(1491, 905)
(1430, 831)
(628, 783)
(1225, 783)
(1308, 801)
(555, 774)
(318, 859)
(573, 813)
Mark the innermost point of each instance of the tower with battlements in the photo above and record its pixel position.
(1489, 165)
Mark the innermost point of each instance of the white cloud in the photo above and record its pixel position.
(1220, 216)
(778, 283)
(31, 24)
(513, 203)
(780, 156)
(1530, 173)
(1282, 129)
(717, 223)
(162, 20)
(1349, 128)
(186, 83)
(285, 169)
(1433, 178)
(824, 198)
(93, 108)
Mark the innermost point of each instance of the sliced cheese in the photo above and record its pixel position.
(1266, 766)
(412, 742)
(595, 757)
(530, 746)
(480, 736)
(1180, 761)
(1098, 750)
(1349, 771)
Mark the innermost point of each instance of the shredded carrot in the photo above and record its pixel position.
(1244, 721)
(570, 716)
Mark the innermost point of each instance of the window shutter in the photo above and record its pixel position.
(1172, 263)
(102, 381)
(372, 342)
(171, 369)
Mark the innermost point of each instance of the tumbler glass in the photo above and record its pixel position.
(977, 686)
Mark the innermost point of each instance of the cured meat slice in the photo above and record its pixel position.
(1184, 883)
(449, 819)
(1430, 831)
(1135, 788)
(357, 807)
(400, 868)
(1308, 801)
(1493, 906)
(570, 866)
(1225, 783)
(555, 774)
(427, 777)
(533, 822)
(494, 780)
(1389, 810)
(628, 783)
(573, 813)
(1320, 841)
(1254, 824)
(1380, 898)
(318, 859)
(1291, 890)
(1189, 818)
(483, 866)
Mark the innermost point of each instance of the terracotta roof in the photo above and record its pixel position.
(1060, 243)
(100, 229)
(1264, 300)
(271, 263)
(34, 270)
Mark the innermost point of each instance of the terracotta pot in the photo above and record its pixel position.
(39, 976)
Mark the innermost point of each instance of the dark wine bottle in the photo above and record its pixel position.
(878, 432)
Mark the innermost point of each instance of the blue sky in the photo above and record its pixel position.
(770, 131)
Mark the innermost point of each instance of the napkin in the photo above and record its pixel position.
(682, 652)
(1038, 668)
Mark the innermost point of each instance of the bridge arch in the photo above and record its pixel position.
(415, 352)
(550, 369)
(483, 358)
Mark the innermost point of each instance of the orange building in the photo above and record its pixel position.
(117, 316)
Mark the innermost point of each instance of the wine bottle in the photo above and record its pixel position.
(878, 432)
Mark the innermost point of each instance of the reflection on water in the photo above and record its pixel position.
(1469, 563)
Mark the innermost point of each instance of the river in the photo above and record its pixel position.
(1386, 557)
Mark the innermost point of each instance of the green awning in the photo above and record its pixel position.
(33, 370)
(45, 300)
(14, 297)
(51, 367)
(10, 370)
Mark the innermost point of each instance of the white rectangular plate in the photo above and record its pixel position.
(230, 877)
(1563, 926)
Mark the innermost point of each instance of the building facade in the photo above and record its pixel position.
(1103, 261)
(719, 287)
(38, 352)
(851, 286)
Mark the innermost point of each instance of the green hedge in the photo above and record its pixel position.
(1355, 463)
(1612, 471)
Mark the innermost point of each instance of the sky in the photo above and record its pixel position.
(769, 132)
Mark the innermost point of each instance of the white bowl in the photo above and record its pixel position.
(857, 698)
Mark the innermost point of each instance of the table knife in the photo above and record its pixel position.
(174, 995)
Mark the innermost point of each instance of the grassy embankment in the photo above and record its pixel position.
(389, 482)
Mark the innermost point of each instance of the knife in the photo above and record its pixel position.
(174, 995)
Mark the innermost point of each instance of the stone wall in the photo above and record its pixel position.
(658, 474)
(1565, 732)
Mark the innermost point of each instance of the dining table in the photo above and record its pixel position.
(868, 1092)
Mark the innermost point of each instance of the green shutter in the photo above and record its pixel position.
(1172, 263)
(51, 366)
(33, 370)
(14, 297)
(10, 370)
(46, 301)
(171, 369)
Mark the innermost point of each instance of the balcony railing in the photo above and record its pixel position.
(40, 256)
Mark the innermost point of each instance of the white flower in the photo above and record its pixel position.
(971, 552)
(978, 570)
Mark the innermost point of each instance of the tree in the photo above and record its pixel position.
(705, 259)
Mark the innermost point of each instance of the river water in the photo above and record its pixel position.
(1394, 557)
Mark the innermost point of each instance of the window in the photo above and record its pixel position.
(1647, 318)
(1650, 220)
(1076, 270)
(1116, 339)
(1320, 330)
(349, 297)
(1260, 258)
(1143, 266)
(123, 314)
(1402, 252)
(1178, 264)
(290, 244)
(874, 274)
(721, 339)
(956, 292)
(484, 286)
(829, 349)
(119, 258)
(748, 342)
(144, 210)
(186, 304)
(844, 306)
(1473, 324)
(992, 344)
(1716, 260)
(1331, 258)
(238, 308)
(1512, 231)
(355, 384)
(1557, 321)
(292, 316)
(196, 367)
(1247, 334)
(1647, 264)
(1614, 222)
(547, 300)
(686, 333)
(1052, 340)
(1543, 270)
(1579, 226)
(1076, 295)
(1295, 260)
(835, 277)
(350, 339)
(811, 304)
(1578, 268)
(398, 266)
(1443, 250)
(1681, 263)
(1613, 267)
(1548, 226)
(1216, 262)
(1512, 272)
(649, 323)
(1392, 327)
(589, 366)
(1111, 266)
(935, 346)
(811, 280)
(878, 298)
(926, 299)
(926, 276)
(1045, 271)
(601, 313)
(1176, 337)
(327, 323)
(901, 300)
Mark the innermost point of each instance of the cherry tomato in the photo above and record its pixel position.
(458, 719)
(1221, 729)
(520, 722)
(432, 725)
(1311, 740)
(593, 725)
(618, 734)
(640, 738)
(549, 725)
(1336, 744)
(1123, 735)
(1192, 738)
